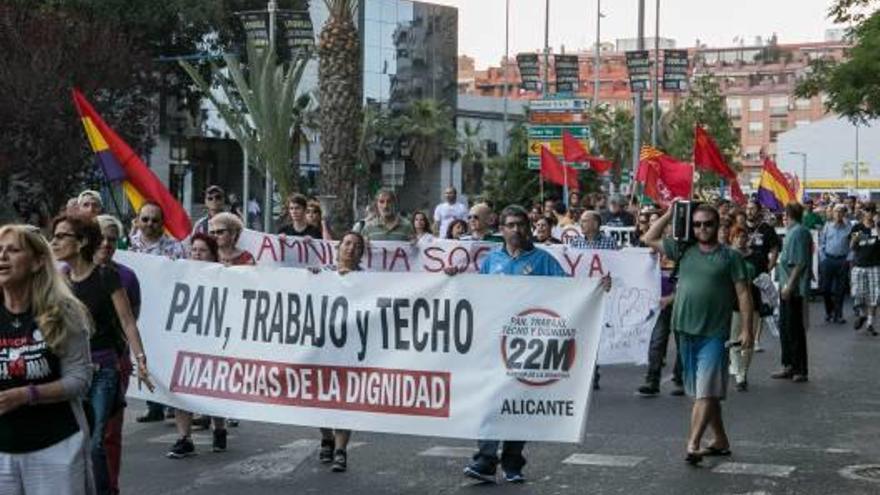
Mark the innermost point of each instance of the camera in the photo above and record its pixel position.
(681, 221)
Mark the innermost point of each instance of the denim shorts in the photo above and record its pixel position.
(704, 362)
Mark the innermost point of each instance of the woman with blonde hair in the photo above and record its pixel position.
(226, 229)
(75, 240)
(45, 352)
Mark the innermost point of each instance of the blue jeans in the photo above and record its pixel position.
(102, 399)
(511, 455)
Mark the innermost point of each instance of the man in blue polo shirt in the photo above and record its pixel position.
(518, 256)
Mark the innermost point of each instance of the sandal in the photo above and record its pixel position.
(715, 452)
(693, 458)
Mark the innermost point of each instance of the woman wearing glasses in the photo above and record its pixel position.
(226, 229)
(43, 432)
(75, 241)
(315, 217)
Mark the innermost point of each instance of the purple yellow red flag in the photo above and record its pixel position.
(774, 190)
(121, 164)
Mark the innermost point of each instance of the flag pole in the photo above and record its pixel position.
(541, 185)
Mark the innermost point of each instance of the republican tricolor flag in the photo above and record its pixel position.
(774, 190)
(121, 164)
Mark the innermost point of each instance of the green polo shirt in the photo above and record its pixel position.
(797, 249)
(706, 293)
(812, 220)
(376, 230)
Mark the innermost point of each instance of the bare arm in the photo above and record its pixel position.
(654, 236)
(744, 302)
(132, 335)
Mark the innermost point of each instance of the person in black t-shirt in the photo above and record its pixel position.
(865, 274)
(298, 225)
(762, 237)
(75, 240)
(44, 371)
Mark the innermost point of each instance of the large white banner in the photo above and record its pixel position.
(389, 352)
(630, 315)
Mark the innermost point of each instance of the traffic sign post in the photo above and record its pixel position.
(551, 137)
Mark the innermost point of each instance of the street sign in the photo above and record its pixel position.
(567, 73)
(638, 66)
(560, 105)
(551, 137)
(675, 70)
(529, 70)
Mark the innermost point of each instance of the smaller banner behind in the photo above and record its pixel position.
(389, 352)
(631, 312)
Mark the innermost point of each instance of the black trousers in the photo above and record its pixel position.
(834, 274)
(793, 334)
(657, 349)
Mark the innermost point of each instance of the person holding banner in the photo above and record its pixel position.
(334, 442)
(74, 241)
(298, 225)
(457, 229)
(592, 236)
(315, 217)
(712, 278)
(226, 229)
(517, 256)
(478, 224)
(45, 355)
(544, 231)
(203, 247)
(422, 226)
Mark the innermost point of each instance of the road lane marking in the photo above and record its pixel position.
(603, 460)
(773, 470)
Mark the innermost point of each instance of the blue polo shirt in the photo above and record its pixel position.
(533, 262)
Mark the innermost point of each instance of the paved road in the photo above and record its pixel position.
(787, 439)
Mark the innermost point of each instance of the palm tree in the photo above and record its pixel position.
(472, 156)
(427, 125)
(340, 84)
(261, 109)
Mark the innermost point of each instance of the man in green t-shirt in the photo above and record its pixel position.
(793, 276)
(711, 279)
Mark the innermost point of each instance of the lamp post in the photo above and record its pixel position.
(656, 102)
(597, 64)
(803, 168)
(637, 111)
(505, 73)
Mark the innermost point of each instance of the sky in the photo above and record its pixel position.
(573, 23)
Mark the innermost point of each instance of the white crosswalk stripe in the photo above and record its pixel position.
(441, 451)
(603, 460)
(772, 470)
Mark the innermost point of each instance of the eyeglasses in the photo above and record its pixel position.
(699, 225)
(155, 220)
(60, 236)
(472, 217)
(516, 225)
(218, 232)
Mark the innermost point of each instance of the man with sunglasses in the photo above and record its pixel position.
(478, 224)
(151, 238)
(711, 279)
(215, 202)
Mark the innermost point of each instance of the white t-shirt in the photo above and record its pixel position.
(445, 213)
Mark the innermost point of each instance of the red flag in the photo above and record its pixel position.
(120, 162)
(664, 177)
(574, 152)
(736, 193)
(554, 171)
(707, 156)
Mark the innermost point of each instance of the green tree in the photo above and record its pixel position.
(612, 131)
(340, 82)
(428, 126)
(508, 179)
(704, 105)
(853, 85)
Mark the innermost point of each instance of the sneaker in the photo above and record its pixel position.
(648, 390)
(480, 472)
(340, 461)
(860, 320)
(799, 378)
(325, 454)
(151, 417)
(677, 389)
(219, 442)
(183, 447)
(783, 374)
(514, 477)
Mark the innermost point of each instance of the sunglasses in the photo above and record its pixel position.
(155, 220)
(472, 217)
(699, 225)
(217, 232)
(60, 236)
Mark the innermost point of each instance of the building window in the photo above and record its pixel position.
(802, 103)
(778, 105)
(734, 107)
(756, 128)
(756, 104)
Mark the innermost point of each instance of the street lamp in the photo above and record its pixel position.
(803, 168)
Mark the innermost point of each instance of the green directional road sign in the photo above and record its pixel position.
(551, 137)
